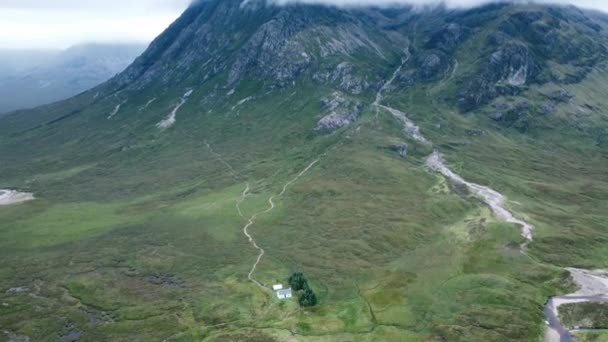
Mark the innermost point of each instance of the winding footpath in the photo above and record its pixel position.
(593, 285)
(251, 221)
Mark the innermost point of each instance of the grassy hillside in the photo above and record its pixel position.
(135, 233)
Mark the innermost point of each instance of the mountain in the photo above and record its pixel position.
(33, 78)
(13, 62)
(434, 175)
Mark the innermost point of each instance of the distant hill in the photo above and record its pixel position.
(29, 78)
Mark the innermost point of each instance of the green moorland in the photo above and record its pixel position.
(585, 315)
(136, 235)
(591, 336)
(392, 251)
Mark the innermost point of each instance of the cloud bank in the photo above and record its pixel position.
(601, 5)
(62, 23)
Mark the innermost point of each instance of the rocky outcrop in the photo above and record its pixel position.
(503, 73)
(517, 116)
(341, 112)
(560, 96)
(274, 52)
(524, 49)
(431, 65)
(554, 99)
(344, 77)
(401, 149)
(448, 38)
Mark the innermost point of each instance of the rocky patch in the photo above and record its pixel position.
(96, 317)
(12, 337)
(517, 116)
(164, 280)
(401, 149)
(17, 290)
(344, 77)
(342, 112)
(504, 72)
(448, 38)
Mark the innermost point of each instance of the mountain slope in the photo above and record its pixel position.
(271, 119)
(50, 77)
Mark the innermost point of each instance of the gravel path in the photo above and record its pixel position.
(252, 219)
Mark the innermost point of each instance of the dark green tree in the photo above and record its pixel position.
(308, 298)
(298, 282)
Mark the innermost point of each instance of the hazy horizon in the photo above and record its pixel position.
(56, 25)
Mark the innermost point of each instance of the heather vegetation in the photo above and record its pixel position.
(135, 233)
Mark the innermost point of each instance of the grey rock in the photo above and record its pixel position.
(17, 290)
(273, 52)
(401, 149)
(504, 73)
(561, 96)
(447, 39)
(342, 112)
(165, 280)
(96, 317)
(71, 336)
(547, 108)
(344, 77)
(474, 132)
(407, 78)
(512, 116)
(430, 65)
(12, 337)
(334, 101)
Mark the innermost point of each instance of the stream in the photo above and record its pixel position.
(8, 197)
(593, 285)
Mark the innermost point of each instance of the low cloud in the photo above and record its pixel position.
(601, 5)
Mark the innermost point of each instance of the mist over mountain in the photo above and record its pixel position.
(319, 173)
(29, 78)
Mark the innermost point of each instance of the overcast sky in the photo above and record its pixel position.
(62, 23)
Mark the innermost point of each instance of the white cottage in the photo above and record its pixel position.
(277, 287)
(284, 293)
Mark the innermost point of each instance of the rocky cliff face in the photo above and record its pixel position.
(238, 40)
(527, 47)
(351, 50)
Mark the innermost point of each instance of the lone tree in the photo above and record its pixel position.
(308, 298)
(298, 282)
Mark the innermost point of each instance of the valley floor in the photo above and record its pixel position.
(174, 244)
